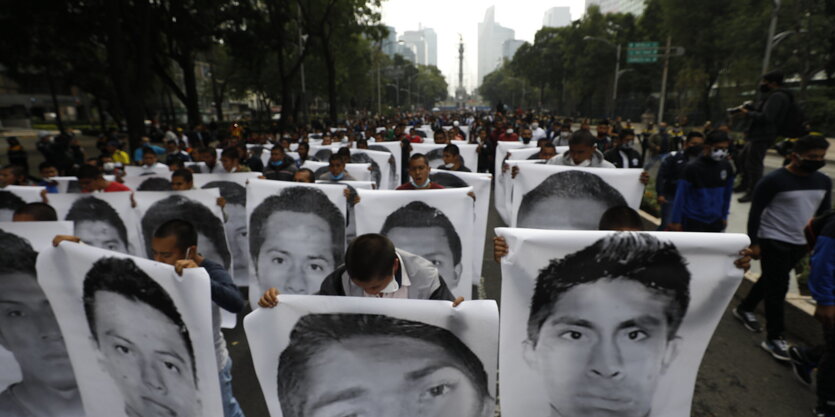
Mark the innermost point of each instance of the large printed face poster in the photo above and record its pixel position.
(436, 225)
(340, 356)
(501, 194)
(393, 148)
(481, 188)
(610, 323)
(138, 335)
(199, 207)
(232, 188)
(360, 171)
(571, 198)
(30, 340)
(13, 197)
(296, 235)
(103, 220)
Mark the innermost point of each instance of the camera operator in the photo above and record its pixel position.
(765, 117)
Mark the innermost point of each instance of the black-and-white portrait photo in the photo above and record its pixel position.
(138, 335)
(541, 195)
(236, 229)
(103, 220)
(9, 202)
(428, 361)
(436, 226)
(199, 207)
(435, 154)
(613, 323)
(296, 234)
(36, 376)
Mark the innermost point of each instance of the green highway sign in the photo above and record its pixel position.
(641, 59)
(643, 45)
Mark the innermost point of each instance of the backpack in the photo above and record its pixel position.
(792, 125)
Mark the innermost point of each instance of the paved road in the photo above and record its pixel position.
(736, 379)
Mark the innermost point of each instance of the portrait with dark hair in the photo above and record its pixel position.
(610, 323)
(427, 232)
(236, 231)
(33, 355)
(98, 224)
(155, 184)
(362, 158)
(404, 357)
(390, 181)
(437, 226)
(296, 234)
(194, 207)
(9, 202)
(435, 157)
(141, 334)
(447, 180)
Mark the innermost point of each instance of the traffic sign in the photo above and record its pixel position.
(641, 59)
(643, 45)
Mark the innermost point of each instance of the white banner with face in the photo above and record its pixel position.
(199, 207)
(481, 188)
(148, 183)
(12, 197)
(135, 171)
(317, 355)
(571, 198)
(435, 154)
(27, 321)
(502, 193)
(505, 183)
(360, 172)
(296, 235)
(393, 148)
(434, 224)
(103, 220)
(382, 166)
(138, 335)
(610, 323)
(232, 188)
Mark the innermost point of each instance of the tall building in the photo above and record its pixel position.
(431, 39)
(510, 46)
(635, 7)
(491, 39)
(557, 17)
(389, 44)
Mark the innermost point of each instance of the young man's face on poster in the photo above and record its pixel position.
(297, 252)
(144, 352)
(430, 243)
(29, 330)
(559, 213)
(603, 348)
(100, 234)
(390, 376)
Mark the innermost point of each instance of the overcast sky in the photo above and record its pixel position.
(452, 17)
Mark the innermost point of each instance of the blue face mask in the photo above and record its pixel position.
(277, 164)
(338, 177)
(426, 184)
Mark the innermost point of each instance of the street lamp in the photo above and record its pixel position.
(771, 29)
(617, 66)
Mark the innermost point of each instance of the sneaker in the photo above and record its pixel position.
(803, 369)
(748, 319)
(746, 198)
(778, 348)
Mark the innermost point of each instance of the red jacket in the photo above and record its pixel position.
(409, 186)
(513, 137)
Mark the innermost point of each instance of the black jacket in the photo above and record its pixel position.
(634, 157)
(769, 113)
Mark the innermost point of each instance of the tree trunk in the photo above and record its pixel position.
(330, 65)
(192, 101)
(52, 93)
(217, 95)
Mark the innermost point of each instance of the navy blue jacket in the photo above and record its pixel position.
(704, 191)
(822, 271)
(224, 292)
(670, 171)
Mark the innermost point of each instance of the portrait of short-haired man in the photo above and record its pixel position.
(211, 234)
(29, 330)
(296, 238)
(397, 367)
(9, 202)
(98, 224)
(143, 342)
(603, 325)
(568, 200)
(235, 208)
(427, 232)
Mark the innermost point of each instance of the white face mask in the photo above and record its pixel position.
(719, 154)
(586, 163)
(565, 134)
(509, 131)
(109, 166)
(534, 126)
(449, 165)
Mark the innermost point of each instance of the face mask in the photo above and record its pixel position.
(809, 165)
(695, 150)
(277, 164)
(662, 129)
(534, 126)
(391, 288)
(627, 145)
(565, 134)
(719, 154)
(109, 166)
(764, 88)
(509, 131)
(338, 177)
(449, 165)
(525, 140)
(586, 163)
(426, 184)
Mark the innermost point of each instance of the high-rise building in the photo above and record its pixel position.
(491, 39)
(557, 17)
(510, 46)
(635, 7)
(389, 44)
(431, 39)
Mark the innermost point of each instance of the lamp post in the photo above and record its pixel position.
(771, 41)
(617, 67)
